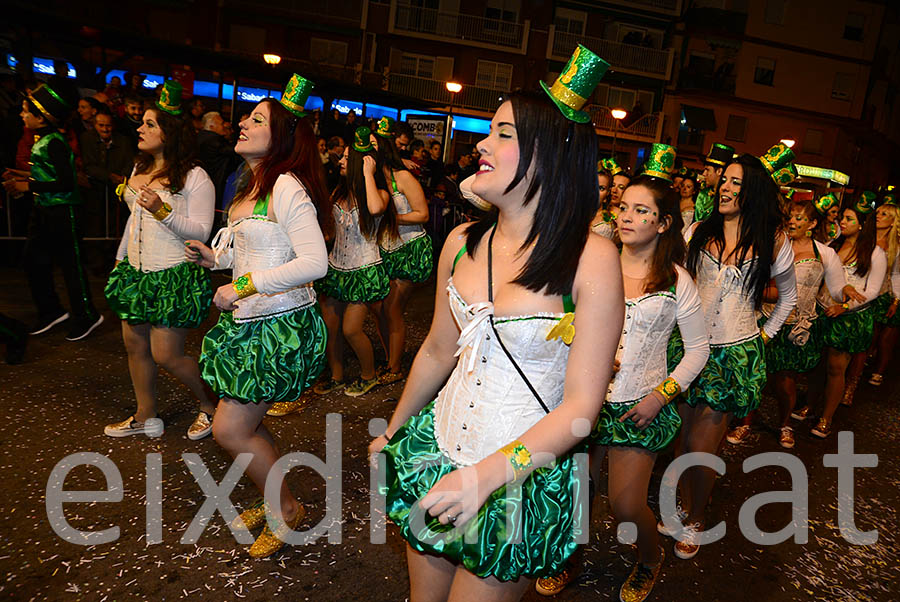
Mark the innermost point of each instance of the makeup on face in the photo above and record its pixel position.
(730, 189)
(637, 216)
(499, 156)
(150, 135)
(255, 134)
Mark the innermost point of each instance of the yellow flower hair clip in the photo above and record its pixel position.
(564, 329)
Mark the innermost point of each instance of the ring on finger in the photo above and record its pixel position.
(452, 518)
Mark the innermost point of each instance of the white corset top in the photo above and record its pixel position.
(407, 232)
(810, 273)
(649, 321)
(151, 245)
(260, 244)
(351, 250)
(858, 282)
(604, 229)
(485, 403)
(728, 307)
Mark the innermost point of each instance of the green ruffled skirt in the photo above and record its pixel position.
(655, 438)
(732, 379)
(879, 309)
(364, 285)
(269, 360)
(413, 261)
(177, 297)
(546, 520)
(782, 354)
(850, 332)
(674, 350)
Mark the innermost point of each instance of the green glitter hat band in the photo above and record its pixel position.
(170, 98)
(826, 202)
(385, 127)
(295, 94)
(661, 162)
(362, 140)
(576, 83)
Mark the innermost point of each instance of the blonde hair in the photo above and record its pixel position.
(893, 237)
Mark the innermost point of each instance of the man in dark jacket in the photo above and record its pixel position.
(216, 153)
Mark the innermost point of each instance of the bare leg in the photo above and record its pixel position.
(597, 453)
(629, 479)
(837, 362)
(394, 306)
(687, 414)
(332, 310)
(785, 387)
(886, 344)
(467, 587)
(167, 347)
(354, 317)
(238, 428)
(141, 367)
(430, 577)
(707, 429)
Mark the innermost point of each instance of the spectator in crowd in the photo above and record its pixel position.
(322, 146)
(215, 152)
(335, 148)
(135, 86)
(350, 127)
(229, 131)
(315, 121)
(418, 157)
(198, 110)
(464, 163)
(434, 166)
(87, 109)
(130, 121)
(333, 125)
(403, 138)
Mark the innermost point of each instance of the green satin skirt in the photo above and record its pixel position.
(782, 354)
(879, 310)
(850, 332)
(364, 285)
(732, 380)
(269, 360)
(177, 297)
(674, 350)
(545, 520)
(413, 261)
(655, 438)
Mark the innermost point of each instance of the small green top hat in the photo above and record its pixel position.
(777, 158)
(719, 154)
(295, 94)
(661, 162)
(385, 127)
(362, 139)
(612, 166)
(826, 202)
(51, 104)
(890, 199)
(785, 175)
(170, 98)
(686, 172)
(576, 83)
(789, 193)
(865, 203)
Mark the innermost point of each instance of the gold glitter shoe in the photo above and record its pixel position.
(270, 541)
(201, 427)
(283, 408)
(387, 377)
(253, 517)
(641, 580)
(550, 586)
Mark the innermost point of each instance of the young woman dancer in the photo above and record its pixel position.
(158, 295)
(269, 343)
(405, 247)
(732, 254)
(847, 329)
(604, 221)
(688, 194)
(887, 320)
(829, 226)
(502, 327)
(356, 282)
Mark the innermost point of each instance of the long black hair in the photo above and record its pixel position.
(563, 155)
(760, 220)
(865, 241)
(353, 187)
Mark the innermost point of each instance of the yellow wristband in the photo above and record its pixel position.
(669, 389)
(518, 455)
(766, 338)
(163, 212)
(243, 286)
(845, 305)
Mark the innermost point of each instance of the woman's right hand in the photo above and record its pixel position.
(853, 294)
(369, 166)
(375, 448)
(835, 310)
(197, 252)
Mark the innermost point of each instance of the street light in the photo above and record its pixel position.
(453, 88)
(272, 59)
(618, 115)
(788, 142)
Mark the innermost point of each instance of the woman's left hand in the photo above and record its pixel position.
(645, 411)
(369, 166)
(225, 297)
(149, 200)
(891, 310)
(457, 497)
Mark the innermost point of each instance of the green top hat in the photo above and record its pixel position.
(295, 94)
(170, 98)
(777, 158)
(576, 83)
(789, 193)
(890, 199)
(826, 202)
(661, 162)
(785, 175)
(385, 127)
(362, 139)
(51, 105)
(865, 203)
(719, 154)
(611, 166)
(686, 172)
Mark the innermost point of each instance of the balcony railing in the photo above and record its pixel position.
(622, 57)
(471, 97)
(648, 128)
(669, 7)
(461, 28)
(338, 12)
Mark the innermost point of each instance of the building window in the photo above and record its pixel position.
(497, 76)
(327, 52)
(842, 88)
(570, 21)
(417, 65)
(501, 10)
(853, 30)
(775, 11)
(812, 143)
(737, 128)
(765, 71)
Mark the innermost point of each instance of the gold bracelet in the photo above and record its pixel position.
(845, 305)
(163, 212)
(519, 457)
(669, 389)
(766, 338)
(243, 286)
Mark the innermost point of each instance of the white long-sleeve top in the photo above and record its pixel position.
(812, 274)
(151, 244)
(728, 303)
(891, 284)
(869, 285)
(649, 321)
